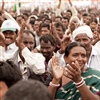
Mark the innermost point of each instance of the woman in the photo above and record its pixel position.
(77, 82)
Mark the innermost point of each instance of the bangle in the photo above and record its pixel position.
(54, 85)
(79, 82)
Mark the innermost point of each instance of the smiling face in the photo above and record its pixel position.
(10, 37)
(78, 54)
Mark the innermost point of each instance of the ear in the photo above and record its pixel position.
(66, 59)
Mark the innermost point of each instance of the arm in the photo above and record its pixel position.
(35, 61)
(2, 47)
(57, 75)
(58, 10)
(53, 30)
(73, 72)
(73, 9)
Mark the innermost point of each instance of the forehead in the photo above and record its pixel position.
(27, 36)
(44, 28)
(81, 35)
(44, 44)
(78, 49)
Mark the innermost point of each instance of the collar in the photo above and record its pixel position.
(93, 52)
(12, 46)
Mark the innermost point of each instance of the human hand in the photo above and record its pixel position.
(73, 72)
(2, 8)
(65, 42)
(56, 69)
(2, 40)
(19, 40)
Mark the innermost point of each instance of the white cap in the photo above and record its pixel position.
(85, 29)
(9, 25)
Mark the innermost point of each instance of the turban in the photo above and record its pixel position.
(85, 29)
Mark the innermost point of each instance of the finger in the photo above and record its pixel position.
(69, 72)
(77, 65)
(74, 66)
(72, 71)
(54, 61)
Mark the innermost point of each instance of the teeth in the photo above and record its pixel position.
(8, 39)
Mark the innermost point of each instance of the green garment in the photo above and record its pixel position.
(70, 92)
(15, 8)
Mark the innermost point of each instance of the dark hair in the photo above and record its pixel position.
(72, 45)
(30, 32)
(45, 25)
(48, 20)
(58, 24)
(66, 18)
(9, 73)
(69, 11)
(26, 14)
(94, 20)
(48, 38)
(85, 14)
(58, 17)
(28, 90)
(20, 16)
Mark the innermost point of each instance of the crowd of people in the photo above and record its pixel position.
(50, 55)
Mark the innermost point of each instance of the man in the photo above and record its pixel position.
(44, 28)
(33, 61)
(10, 30)
(84, 35)
(28, 90)
(30, 60)
(37, 30)
(9, 75)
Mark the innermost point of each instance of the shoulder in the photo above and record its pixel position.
(96, 49)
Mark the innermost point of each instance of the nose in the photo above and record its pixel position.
(79, 58)
(44, 50)
(82, 42)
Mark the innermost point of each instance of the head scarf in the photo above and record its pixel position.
(81, 30)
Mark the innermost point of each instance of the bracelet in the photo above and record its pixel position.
(54, 85)
(79, 82)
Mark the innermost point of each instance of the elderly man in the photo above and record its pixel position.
(84, 35)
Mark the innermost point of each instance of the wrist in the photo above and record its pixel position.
(21, 46)
(61, 51)
(55, 81)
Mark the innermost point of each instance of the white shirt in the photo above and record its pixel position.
(35, 61)
(94, 60)
(37, 38)
(12, 53)
(97, 44)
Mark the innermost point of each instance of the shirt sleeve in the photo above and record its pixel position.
(2, 57)
(34, 60)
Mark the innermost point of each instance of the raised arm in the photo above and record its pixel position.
(57, 75)
(73, 72)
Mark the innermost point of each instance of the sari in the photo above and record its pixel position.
(70, 92)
